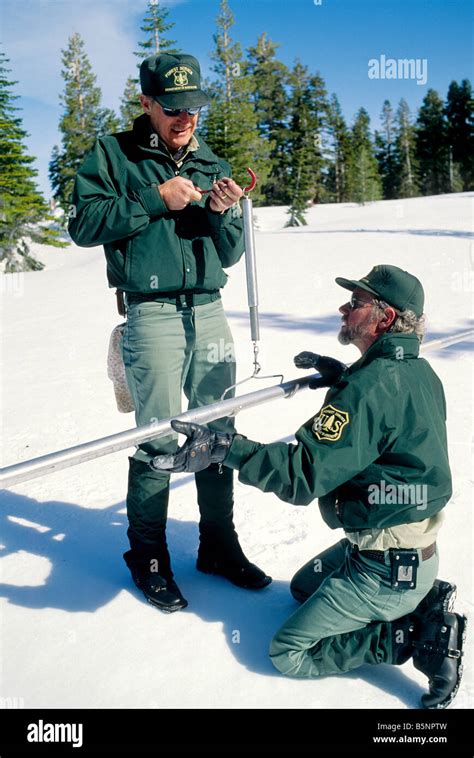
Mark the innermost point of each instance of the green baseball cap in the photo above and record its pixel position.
(174, 81)
(391, 284)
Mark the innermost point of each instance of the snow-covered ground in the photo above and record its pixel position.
(75, 631)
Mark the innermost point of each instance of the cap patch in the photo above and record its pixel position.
(180, 79)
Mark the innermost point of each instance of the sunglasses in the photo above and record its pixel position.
(356, 303)
(172, 112)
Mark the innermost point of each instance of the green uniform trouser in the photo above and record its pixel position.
(168, 348)
(344, 621)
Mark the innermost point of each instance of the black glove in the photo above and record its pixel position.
(330, 369)
(202, 448)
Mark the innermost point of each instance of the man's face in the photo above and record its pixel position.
(175, 131)
(359, 321)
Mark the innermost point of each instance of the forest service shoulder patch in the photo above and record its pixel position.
(329, 423)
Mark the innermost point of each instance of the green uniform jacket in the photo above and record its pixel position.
(376, 453)
(117, 204)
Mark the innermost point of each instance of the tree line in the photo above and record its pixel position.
(277, 119)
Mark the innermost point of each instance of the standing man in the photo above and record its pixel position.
(376, 457)
(166, 210)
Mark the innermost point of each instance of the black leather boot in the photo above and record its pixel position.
(219, 549)
(220, 553)
(438, 654)
(406, 630)
(440, 599)
(150, 567)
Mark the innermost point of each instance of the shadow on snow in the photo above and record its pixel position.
(87, 572)
(460, 234)
(324, 324)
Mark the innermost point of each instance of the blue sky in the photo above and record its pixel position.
(336, 37)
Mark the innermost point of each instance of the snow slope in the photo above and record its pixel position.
(75, 632)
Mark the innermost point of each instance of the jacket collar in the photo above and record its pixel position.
(142, 130)
(393, 345)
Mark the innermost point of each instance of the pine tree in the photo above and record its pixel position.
(385, 152)
(82, 122)
(319, 108)
(230, 126)
(155, 25)
(340, 153)
(308, 113)
(405, 158)
(364, 179)
(23, 210)
(432, 149)
(459, 113)
(270, 78)
(130, 107)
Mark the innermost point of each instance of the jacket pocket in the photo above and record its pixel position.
(203, 177)
(155, 260)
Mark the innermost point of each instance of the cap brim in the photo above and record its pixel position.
(197, 99)
(352, 284)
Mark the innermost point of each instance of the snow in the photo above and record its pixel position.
(75, 632)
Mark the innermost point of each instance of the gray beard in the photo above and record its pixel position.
(347, 336)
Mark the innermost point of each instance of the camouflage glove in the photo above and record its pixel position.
(202, 448)
(329, 368)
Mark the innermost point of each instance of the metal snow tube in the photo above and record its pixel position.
(87, 451)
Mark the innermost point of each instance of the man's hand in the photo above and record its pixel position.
(178, 192)
(224, 194)
(329, 368)
(202, 448)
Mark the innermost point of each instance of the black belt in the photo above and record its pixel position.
(379, 555)
(183, 298)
